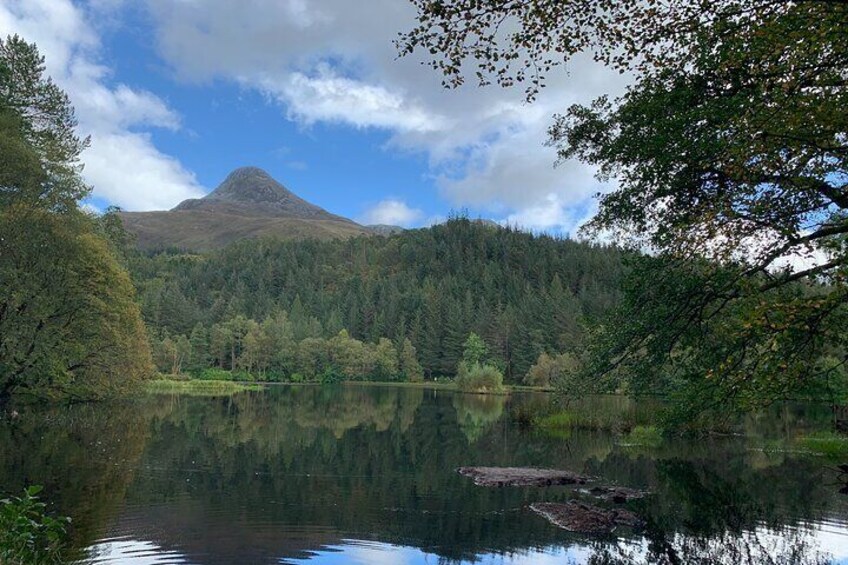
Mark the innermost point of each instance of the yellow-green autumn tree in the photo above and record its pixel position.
(69, 321)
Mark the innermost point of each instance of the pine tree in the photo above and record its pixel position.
(199, 341)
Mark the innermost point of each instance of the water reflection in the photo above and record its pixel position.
(293, 474)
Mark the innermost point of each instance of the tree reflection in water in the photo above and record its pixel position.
(260, 477)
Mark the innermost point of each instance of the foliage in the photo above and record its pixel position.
(701, 335)
(245, 350)
(475, 352)
(476, 372)
(215, 374)
(729, 156)
(554, 370)
(522, 294)
(42, 118)
(28, 535)
(727, 168)
(480, 379)
(410, 368)
(519, 42)
(69, 322)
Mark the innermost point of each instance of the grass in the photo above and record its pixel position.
(827, 444)
(557, 425)
(197, 388)
(582, 420)
(557, 421)
(611, 413)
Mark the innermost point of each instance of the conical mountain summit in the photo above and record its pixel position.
(248, 203)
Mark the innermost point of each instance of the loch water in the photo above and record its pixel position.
(367, 474)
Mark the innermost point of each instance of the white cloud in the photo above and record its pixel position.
(548, 215)
(128, 170)
(334, 61)
(327, 97)
(323, 62)
(392, 212)
(123, 165)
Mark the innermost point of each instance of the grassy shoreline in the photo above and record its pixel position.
(447, 385)
(198, 387)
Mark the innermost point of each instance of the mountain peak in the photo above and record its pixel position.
(251, 185)
(252, 191)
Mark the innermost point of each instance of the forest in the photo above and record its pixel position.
(727, 152)
(368, 307)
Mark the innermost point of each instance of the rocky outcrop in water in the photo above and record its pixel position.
(584, 518)
(521, 477)
(619, 495)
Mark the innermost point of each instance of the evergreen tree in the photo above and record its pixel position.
(199, 341)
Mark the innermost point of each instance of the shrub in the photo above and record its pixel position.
(560, 370)
(480, 378)
(27, 533)
(215, 374)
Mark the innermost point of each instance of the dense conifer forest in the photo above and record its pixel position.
(343, 309)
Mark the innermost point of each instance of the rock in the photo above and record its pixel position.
(619, 495)
(584, 518)
(521, 477)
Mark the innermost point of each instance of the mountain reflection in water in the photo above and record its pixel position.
(353, 474)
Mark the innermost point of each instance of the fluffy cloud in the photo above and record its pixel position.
(128, 171)
(327, 97)
(548, 215)
(322, 62)
(392, 212)
(334, 61)
(122, 164)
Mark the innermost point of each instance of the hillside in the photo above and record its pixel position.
(523, 293)
(248, 204)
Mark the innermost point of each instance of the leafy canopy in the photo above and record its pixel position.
(728, 153)
(69, 323)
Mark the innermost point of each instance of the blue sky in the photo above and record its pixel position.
(177, 93)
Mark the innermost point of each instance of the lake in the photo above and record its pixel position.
(367, 474)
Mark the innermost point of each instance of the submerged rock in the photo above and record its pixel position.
(584, 518)
(521, 477)
(619, 495)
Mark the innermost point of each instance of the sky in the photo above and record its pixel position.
(175, 94)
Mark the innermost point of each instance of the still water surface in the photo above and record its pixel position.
(332, 475)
